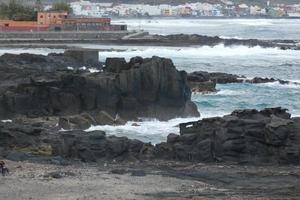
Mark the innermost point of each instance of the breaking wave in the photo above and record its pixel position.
(200, 52)
(148, 131)
(41, 51)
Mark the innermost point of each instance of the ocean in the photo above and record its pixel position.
(226, 28)
(241, 60)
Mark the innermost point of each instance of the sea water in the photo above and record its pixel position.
(241, 60)
(226, 28)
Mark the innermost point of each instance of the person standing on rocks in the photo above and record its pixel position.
(3, 169)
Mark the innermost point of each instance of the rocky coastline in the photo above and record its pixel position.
(50, 107)
(48, 102)
(269, 136)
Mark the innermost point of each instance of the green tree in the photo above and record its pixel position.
(61, 6)
(14, 10)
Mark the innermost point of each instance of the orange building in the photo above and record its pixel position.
(49, 18)
(10, 25)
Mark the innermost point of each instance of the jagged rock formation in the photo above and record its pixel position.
(35, 86)
(269, 136)
(245, 136)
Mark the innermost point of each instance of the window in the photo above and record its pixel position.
(7, 25)
(41, 16)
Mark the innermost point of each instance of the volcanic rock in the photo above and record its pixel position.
(245, 136)
(150, 88)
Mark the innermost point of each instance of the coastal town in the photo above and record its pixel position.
(224, 8)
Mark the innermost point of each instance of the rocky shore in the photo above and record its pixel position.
(48, 102)
(49, 107)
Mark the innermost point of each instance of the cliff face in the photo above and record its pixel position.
(141, 88)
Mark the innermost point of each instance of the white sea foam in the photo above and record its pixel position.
(233, 37)
(171, 23)
(6, 121)
(255, 23)
(226, 92)
(93, 70)
(200, 52)
(276, 84)
(146, 129)
(41, 51)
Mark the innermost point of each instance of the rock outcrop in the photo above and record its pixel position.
(245, 136)
(195, 39)
(141, 88)
(201, 81)
(269, 136)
